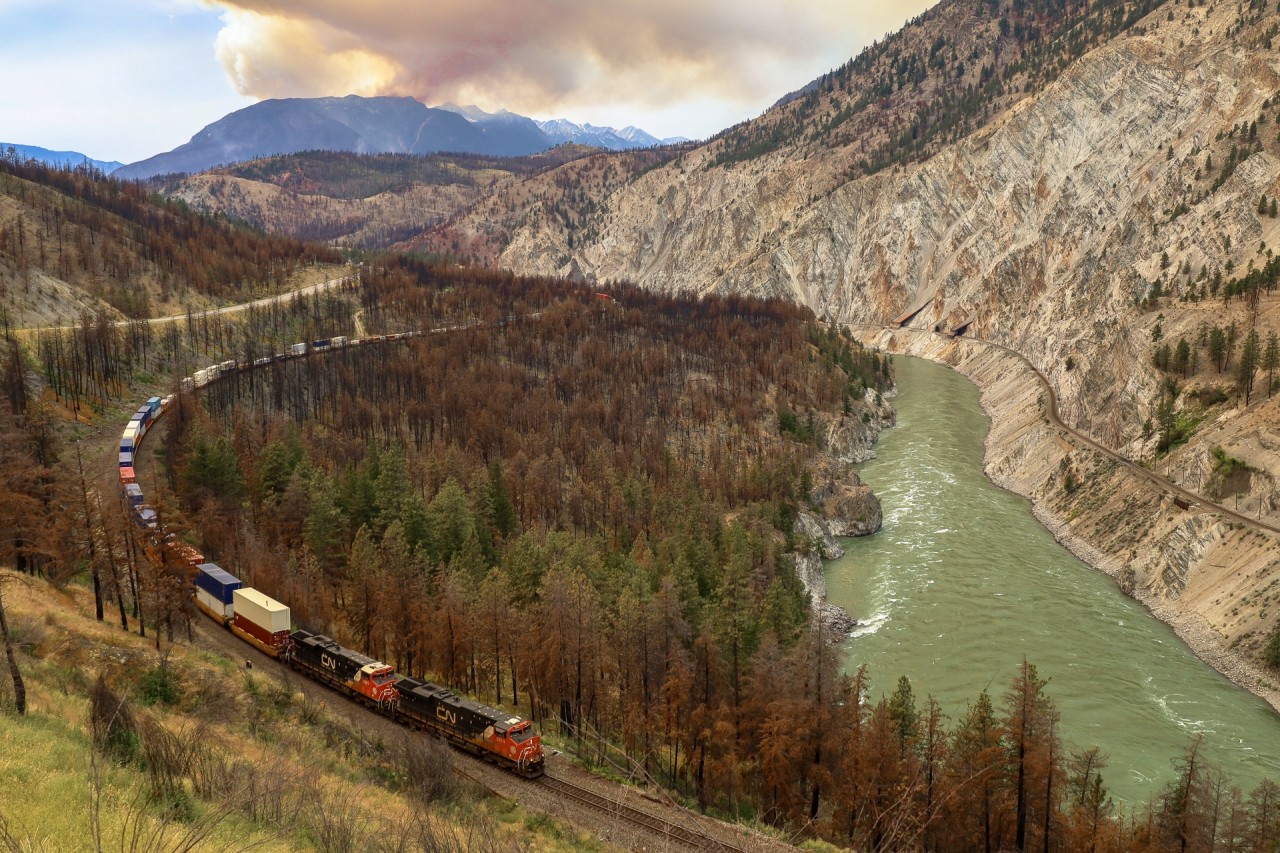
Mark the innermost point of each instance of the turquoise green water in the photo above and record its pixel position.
(962, 582)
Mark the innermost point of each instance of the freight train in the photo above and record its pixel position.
(502, 738)
(266, 624)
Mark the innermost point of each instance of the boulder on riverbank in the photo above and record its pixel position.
(848, 508)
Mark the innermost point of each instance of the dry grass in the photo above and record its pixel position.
(236, 761)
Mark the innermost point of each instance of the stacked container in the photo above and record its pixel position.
(215, 588)
(261, 621)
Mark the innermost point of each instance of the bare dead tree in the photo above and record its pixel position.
(19, 687)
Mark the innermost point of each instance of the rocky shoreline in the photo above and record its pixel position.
(1120, 524)
(846, 507)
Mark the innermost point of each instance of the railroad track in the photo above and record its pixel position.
(632, 815)
(1055, 419)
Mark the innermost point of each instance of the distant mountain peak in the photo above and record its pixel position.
(380, 125)
(60, 159)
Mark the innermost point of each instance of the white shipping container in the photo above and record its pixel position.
(214, 605)
(261, 610)
(131, 431)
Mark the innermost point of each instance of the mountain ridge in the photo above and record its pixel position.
(379, 125)
(60, 159)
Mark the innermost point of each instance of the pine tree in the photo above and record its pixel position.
(1271, 360)
(1031, 747)
(1249, 356)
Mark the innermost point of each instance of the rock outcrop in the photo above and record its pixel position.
(834, 618)
(845, 507)
(1045, 228)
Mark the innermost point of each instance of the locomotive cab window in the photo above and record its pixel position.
(521, 735)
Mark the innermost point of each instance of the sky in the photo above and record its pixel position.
(126, 79)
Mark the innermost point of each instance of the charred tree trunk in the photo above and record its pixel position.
(19, 688)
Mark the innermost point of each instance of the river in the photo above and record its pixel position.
(962, 582)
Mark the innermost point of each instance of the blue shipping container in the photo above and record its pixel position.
(217, 581)
(133, 492)
(143, 414)
(153, 403)
(126, 459)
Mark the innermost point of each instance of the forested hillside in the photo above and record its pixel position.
(945, 74)
(576, 511)
(78, 240)
(363, 200)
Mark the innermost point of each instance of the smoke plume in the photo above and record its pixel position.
(536, 56)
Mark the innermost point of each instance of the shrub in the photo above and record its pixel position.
(111, 723)
(159, 685)
(1272, 654)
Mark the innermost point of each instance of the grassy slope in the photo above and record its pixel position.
(45, 757)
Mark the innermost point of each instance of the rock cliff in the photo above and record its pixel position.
(1046, 227)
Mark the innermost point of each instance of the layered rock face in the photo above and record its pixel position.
(1046, 227)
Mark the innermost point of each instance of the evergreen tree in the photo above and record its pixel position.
(1031, 722)
(450, 520)
(1218, 348)
(215, 468)
(1271, 360)
(326, 524)
(501, 511)
(1183, 356)
(906, 719)
(1249, 356)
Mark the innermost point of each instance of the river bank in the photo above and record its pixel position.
(1204, 576)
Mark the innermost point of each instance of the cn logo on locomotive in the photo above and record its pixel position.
(328, 662)
(445, 715)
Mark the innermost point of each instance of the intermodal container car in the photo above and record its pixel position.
(215, 591)
(126, 458)
(127, 476)
(261, 621)
(133, 494)
(184, 552)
